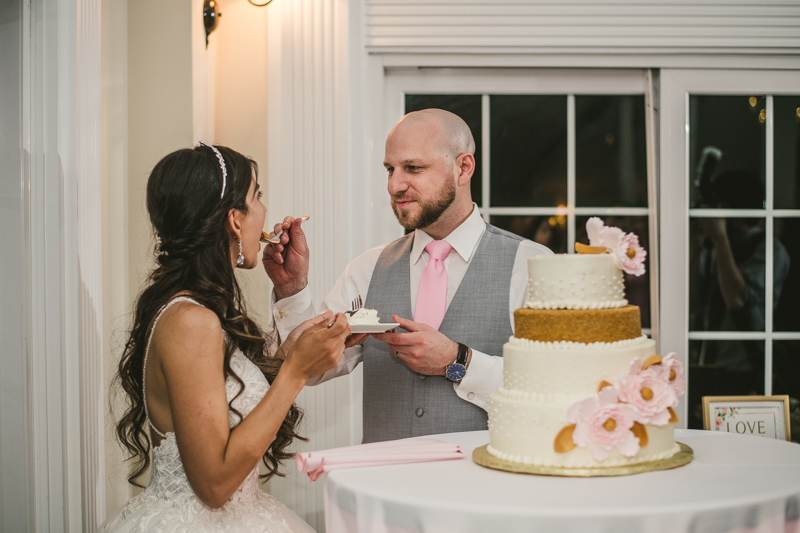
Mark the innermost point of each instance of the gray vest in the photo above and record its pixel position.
(398, 402)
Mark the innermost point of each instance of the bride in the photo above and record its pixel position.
(202, 392)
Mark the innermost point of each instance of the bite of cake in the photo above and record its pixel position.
(363, 316)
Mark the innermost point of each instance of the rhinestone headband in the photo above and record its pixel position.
(221, 166)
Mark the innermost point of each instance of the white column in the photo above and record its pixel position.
(90, 264)
(62, 379)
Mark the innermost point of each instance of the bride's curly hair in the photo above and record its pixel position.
(194, 256)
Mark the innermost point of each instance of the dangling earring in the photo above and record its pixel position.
(240, 259)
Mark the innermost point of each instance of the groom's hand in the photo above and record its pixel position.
(286, 263)
(423, 349)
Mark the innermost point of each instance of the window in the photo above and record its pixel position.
(548, 162)
(741, 190)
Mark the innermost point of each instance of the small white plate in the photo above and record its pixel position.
(373, 328)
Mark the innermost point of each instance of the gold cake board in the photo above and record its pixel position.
(482, 456)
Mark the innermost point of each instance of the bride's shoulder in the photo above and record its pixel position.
(186, 327)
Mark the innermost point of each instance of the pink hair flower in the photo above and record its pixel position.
(603, 423)
(648, 394)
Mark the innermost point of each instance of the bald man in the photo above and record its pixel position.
(436, 372)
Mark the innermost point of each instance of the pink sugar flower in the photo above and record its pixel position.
(647, 393)
(624, 247)
(629, 255)
(672, 372)
(603, 423)
(601, 235)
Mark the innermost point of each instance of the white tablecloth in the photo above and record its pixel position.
(735, 483)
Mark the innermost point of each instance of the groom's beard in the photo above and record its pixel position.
(430, 211)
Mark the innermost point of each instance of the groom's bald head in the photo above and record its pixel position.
(443, 131)
(430, 159)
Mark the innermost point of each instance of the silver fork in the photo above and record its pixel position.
(355, 305)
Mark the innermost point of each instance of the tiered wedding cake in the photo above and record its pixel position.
(583, 388)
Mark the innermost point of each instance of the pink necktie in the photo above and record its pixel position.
(432, 293)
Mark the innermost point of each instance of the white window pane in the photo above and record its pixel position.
(610, 151)
(529, 150)
(787, 151)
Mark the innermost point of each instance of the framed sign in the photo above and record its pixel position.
(763, 416)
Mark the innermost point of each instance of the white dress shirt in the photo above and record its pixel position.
(485, 372)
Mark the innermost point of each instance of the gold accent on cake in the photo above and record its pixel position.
(647, 393)
(672, 374)
(673, 416)
(578, 325)
(650, 361)
(640, 432)
(610, 424)
(482, 457)
(603, 385)
(631, 253)
(586, 249)
(563, 442)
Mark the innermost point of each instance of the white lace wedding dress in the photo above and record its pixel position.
(168, 504)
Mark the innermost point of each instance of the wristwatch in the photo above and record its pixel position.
(458, 369)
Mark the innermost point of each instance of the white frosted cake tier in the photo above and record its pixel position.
(570, 368)
(577, 281)
(524, 432)
(541, 380)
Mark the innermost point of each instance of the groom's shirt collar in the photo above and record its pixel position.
(463, 239)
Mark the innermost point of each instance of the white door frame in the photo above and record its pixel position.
(676, 86)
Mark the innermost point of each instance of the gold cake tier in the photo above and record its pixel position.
(578, 325)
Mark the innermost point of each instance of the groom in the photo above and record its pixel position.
(452, 284)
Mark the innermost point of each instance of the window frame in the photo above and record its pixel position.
(676, 86)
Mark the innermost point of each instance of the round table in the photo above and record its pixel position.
(736, 483)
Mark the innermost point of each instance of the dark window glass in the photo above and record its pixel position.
(637, 288)
(785, 372)
(548, 230)
(727, 151)
(529, 150)
(610, 151)
(786, 275)
(787, 151)
(466, 106)
(722, 368)
(727, 260)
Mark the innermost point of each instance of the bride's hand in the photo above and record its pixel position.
(285, 348)
(318, 349)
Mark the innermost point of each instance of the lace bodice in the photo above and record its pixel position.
(168, 478)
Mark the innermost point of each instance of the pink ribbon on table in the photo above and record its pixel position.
(393, 452)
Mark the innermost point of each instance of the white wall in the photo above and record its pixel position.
(116, 263)
(581, 26)
(241, 114)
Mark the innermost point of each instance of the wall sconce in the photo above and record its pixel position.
(210, 17)
(261, 4)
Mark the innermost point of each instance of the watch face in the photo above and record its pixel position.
(456, 372)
